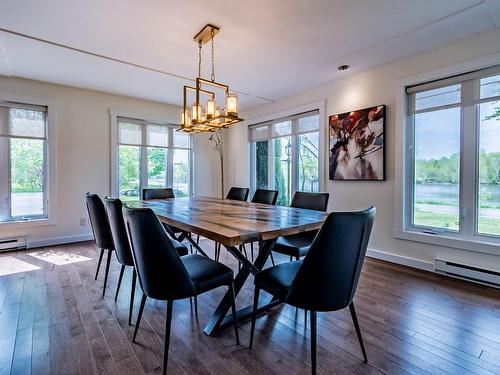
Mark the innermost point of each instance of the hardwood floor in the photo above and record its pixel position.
(53, 320)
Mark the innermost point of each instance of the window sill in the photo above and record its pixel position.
(448, 240)
(4, 225)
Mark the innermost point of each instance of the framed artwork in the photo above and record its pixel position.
(357, 147)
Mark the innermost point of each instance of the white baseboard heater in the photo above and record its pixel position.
(475, 274)
(14, 243)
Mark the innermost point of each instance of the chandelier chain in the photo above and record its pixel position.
(212, 77)
(199, 58)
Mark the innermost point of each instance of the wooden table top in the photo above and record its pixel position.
(232, 222)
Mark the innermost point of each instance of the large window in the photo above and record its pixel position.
(453, 170)
(285, 155)
(151, 155)
(23, 162)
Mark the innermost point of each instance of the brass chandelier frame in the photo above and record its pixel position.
(198, 123)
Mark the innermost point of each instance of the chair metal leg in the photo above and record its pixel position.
(272, 259)
(313, 342)
(233, 310)
(254, 313)
(99, 264)
(139, 316)
(197, 239)
(108, 262)
(168, 324)
(251, 250)
(291, 258)
(216, 253)
(122, 269)
(132, 296)
(358, 331)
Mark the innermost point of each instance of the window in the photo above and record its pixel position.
(23, 162)
(151, 155)
(285, 155)
(453, 166)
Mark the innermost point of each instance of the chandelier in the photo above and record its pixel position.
(196, 118)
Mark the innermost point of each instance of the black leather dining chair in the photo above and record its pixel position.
(297, 245)
(157, 193)
(263, 196)
(327, 278)
(102, 232)
(162, 193)
(123, 252)
(238, 194)
(163, 275)
(235, 194)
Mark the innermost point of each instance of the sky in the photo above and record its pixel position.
(437, 134)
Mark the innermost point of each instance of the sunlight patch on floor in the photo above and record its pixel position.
(58, 257)
(10, 265)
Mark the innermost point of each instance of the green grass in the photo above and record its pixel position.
(486, 225)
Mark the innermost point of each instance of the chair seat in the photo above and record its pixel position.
(179, 247)
(296, 245)
(207, 274)
(277, 280)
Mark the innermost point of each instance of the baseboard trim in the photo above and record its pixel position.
(399, 259)
(59, 240)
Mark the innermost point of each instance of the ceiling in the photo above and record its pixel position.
(266, 50)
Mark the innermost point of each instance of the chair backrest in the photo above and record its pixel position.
(310, 201)
(329, 274)
(99, 222)
(157, 193)
(238, 194)
(162, 275)
(265, 196)
(118, 230)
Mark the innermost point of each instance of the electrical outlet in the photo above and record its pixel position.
(83, 221)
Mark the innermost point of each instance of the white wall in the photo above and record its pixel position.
(83, 151)
(373, 87)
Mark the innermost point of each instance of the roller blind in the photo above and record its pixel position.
(21, 120)
(449, 93)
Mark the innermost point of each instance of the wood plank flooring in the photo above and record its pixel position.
(53, 320)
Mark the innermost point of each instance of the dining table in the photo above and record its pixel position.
(233, 223)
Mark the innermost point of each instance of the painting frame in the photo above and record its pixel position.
(350, 133)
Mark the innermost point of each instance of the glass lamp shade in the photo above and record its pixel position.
(210, 108)
(232, 104)
(186, 119)
(196, 112)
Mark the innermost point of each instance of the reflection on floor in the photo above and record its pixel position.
(59, 257)
(10, 265)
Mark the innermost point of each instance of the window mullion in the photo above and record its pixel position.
(270, 166)
(169, 168)
(295, 158)
(468, 157)
(4, 179)
(143, 162)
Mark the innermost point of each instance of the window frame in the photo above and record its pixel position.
(467, 237)
(281, 117)
(49, 217)
(144, 121)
